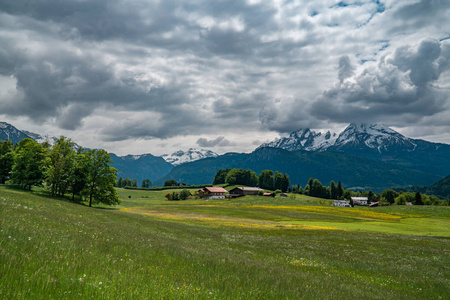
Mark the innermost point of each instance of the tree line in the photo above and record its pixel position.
(388, 197)
(270, 180)
(132, 183)
(266, 180)
(86, 175)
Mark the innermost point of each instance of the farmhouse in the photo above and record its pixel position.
(212, 193)
(341, 203)
(360, 200)
(244, 191)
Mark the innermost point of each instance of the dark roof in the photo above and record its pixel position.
(249, 189)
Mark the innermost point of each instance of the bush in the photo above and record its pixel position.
(184, 194)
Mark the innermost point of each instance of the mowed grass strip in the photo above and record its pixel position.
(52, 249)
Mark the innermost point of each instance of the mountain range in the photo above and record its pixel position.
(364, 156)
(375, 142)
(132, 166)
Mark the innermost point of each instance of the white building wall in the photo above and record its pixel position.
(216, 197)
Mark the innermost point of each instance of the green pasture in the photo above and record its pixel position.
(296, 247)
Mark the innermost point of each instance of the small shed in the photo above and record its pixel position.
(269, 195)
(341, 203)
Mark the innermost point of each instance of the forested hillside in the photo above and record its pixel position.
(352, 171)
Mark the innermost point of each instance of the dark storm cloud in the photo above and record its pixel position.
(98, 19)
(161, 69)
(419, 14)
(346, 68)
(219, 141)
(64, 70)
(287, 115)
(398, 89)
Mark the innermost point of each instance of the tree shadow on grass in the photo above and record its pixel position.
(43, 193)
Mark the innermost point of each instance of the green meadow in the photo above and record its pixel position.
(296, 247)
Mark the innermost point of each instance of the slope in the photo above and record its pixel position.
(140, 167)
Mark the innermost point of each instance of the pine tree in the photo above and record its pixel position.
(286, 183)
(418, 199)
(333, 190)
(370, 197)
(340, 190)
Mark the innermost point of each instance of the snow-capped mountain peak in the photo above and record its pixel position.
(180, 157)
(41, 138)
(304, 139)
(9, 132)
(372, 136)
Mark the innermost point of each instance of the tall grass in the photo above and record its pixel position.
(53, 249)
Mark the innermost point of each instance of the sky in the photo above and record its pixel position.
(142, 76)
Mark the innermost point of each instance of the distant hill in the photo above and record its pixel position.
(440, 189)
(352, 171)
(140, 166)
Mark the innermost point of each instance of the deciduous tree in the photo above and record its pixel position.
(240, 176)
(78, 178)
(101, 178)
(6, 160)
(389, 195)
(170, 182)
(29, 164)
(220, 176)
(265, 180)
(146, 183)
(60, 166)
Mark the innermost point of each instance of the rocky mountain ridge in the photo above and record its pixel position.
(372, 136)
(192, 154)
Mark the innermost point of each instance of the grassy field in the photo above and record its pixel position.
(248, 248)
